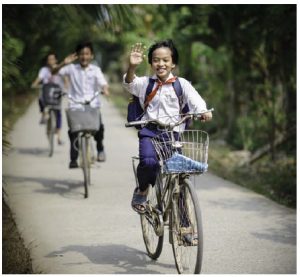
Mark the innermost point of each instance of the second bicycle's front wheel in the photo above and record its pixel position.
(85, 163)
(152, 222)
(186, 229)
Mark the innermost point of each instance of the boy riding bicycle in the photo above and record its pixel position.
(164, 104)
(85, 79)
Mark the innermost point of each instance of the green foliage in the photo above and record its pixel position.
(247, 129)
(12, 50)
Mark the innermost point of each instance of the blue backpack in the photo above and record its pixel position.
(135, 111)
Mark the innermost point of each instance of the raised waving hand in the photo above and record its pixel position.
(135, 58)
(137, 54)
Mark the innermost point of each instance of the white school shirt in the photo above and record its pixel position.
(46, 77)
(165, 104)
(84, 82)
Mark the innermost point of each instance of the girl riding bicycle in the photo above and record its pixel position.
(46, 76)
(164, 104)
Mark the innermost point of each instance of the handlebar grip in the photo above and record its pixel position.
(135, 123)
(202, 113)
(209, 110)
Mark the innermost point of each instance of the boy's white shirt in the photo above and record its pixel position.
(84, 82)
(165, 103)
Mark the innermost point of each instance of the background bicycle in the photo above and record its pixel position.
(173, 201)
(51, 95)
(84, 122)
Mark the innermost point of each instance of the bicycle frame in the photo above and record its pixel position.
(166, 192)
(84, 146)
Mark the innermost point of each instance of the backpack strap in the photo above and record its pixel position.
(178, 90)
(149, 89)
(150, 86)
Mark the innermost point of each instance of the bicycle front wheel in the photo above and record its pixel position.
(152, 222)
(51, 126)
(186, 229)
(85, 164)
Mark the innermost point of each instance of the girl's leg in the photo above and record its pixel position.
(146, 173)
(148, 167)
(42, 110)
(41, 105)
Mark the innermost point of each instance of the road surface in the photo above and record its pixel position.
(66, 234)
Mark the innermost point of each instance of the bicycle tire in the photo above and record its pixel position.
(186, 220)
(153, 241)
(91, 152)
(89, 159)
(51, 126)
(85, 165)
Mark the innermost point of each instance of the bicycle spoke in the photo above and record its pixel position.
(186, 230)
(151, 226)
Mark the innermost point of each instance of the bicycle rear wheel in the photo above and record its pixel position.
(186, 229)
(152, 222)
(85, 164)
(51, 126)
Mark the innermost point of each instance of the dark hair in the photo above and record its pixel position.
(165, 43)
(82, 45)
(45, 59)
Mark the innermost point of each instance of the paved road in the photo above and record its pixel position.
(244, 232)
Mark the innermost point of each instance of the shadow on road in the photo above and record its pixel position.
(35, 151)
(64, 188)
(285, 231)
(284, 235)
(125, 259)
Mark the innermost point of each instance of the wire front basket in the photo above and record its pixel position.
(184, 152)
(83, 120)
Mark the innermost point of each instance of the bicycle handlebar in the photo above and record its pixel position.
(86, 102)
(168, 125)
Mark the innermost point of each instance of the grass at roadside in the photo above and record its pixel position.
(274, 179)
(14, 107)
(15, 256)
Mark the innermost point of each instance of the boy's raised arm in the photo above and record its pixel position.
(67, 60)
(136, 57)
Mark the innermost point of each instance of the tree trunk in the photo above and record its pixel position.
(233, 101)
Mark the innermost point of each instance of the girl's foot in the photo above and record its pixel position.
(139, 200)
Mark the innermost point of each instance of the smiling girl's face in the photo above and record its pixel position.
(162, 63)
